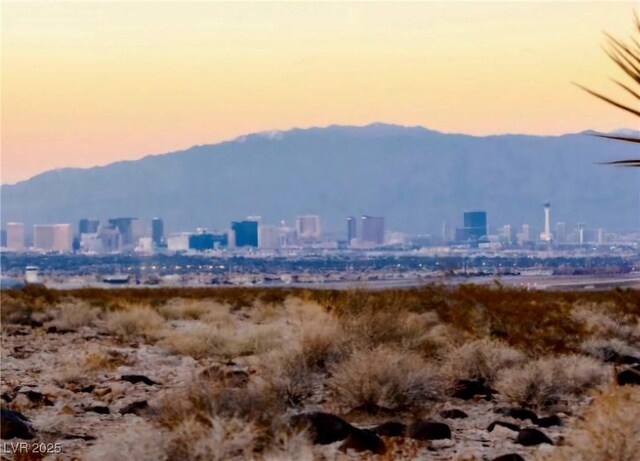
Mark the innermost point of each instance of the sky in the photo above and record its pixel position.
(90, 83)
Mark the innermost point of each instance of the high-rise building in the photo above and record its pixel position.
(525, 234)
(507, 234)
(372, 230)
(3, 238)
(129, 229)
(15, 236)
(475, 224)
(561, 232)
(546, 235)
(88, 226)
(352, 231)
(308, 227)
(207, 241)
(53, 237)
(157, 231)
(246, 233)
(268, 237)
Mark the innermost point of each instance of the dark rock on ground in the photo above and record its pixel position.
(324, 428)
(428, 430)
(629, 376)
(88, 389)
(466, 389)
(102, 410)
(513, 427)
(38, 397)
(530, 436)
(453, 413)
(136, 408)
(391, 429)
(509, 457)
(361, 440)
(58, 330)
(7, 397)
(549, 421)
(15, 425)
(135, 379)
(518, 413)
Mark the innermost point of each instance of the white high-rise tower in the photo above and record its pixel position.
(546, 236)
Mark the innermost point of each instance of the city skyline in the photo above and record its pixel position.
(69, 115)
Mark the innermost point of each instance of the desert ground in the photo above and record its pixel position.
(429, 373)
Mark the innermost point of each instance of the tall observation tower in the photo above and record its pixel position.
(546, 235)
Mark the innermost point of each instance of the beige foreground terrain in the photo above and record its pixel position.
(432, 373)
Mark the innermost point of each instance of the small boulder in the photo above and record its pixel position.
(509, 457)
(100, 409)
(530, 436)
(391, 429)
(630, 376)
(453, 413)
(466, 389)
(38, 398)
(549, 421)
(135, 379)
(518, 413)
(510, 426)
(361, 440)
(15, 425)
(324, 428)
(134, 408)
(429, 430)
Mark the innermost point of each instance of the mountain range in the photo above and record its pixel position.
(415, 177)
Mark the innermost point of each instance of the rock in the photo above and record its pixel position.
(135, 379)
(391, 429)
(466, 389)
(361, 440)
(510, 426)
(428, 430)
(7, 397)
(629, 376)
(509, 457)
(324, 428)
(38, 398)
(88, 389)
(549, 421)
(134, 408)
(14, 425)
(518, 413)
(453, 413)
(101, 410)
(530, 436)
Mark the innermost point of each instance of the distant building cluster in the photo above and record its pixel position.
(130, 234)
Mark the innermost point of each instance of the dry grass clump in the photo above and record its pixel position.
(607, 349)
(608, 430)
(546, 380)
(188, 309)
(136, 321)
(74, 314)
(100, 360)
(604, 321)
(200, 340)
(481, 359)
(384, 378)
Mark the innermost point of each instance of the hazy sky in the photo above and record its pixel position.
(90, 83)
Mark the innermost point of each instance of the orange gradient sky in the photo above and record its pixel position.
(90, 83)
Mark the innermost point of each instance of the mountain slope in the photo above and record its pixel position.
(414, 177)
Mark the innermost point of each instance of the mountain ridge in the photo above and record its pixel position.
(414, 176)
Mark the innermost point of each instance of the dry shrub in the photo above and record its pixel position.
(134, 322)
(138, 440)
(604, 321)
(99, 360)
(200, 340)
(75, 314)
(546, 380)
(608, 430)
(603, 349)
(188, 309)
(481, 359)
(384, 378)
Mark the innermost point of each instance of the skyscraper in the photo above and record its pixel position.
(52, 237)
(561, 232)
(475, 224)
(308, 227)
(15, 236)
(157, 231)
(88, 226)
(373, 230)
(246, 233)
(128, 228)
(268, 237)
(351, 229)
